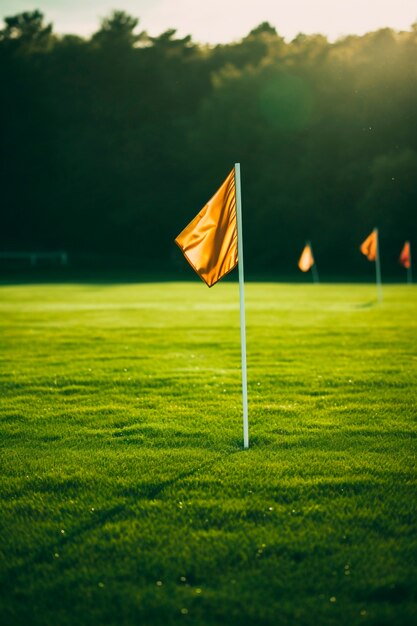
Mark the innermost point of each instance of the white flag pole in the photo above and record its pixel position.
(409, 269)
(314, 269)
(242, 306)
(378, 267)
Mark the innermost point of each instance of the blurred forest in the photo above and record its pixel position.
(111, 145)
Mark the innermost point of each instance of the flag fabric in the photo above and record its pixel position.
(370, 245)
(209, 242)
(405, 256)
(306, 260)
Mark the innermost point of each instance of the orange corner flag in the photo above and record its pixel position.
(370, 245)
(209, 242)
(405, 256)
(306, 260)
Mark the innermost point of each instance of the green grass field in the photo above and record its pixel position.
(126, 497)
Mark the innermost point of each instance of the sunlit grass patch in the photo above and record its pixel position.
(126, 495)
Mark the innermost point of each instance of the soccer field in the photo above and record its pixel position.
(126, 496)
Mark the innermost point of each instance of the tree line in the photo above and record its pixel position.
(111, 144)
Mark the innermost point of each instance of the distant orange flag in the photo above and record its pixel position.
(209, 242)
(306, 260)
(370, 245)
(405, 256)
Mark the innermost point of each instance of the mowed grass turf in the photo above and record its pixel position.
(126, 497)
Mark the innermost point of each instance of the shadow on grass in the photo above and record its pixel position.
(44, 553)
(367, 305)
(394, 593)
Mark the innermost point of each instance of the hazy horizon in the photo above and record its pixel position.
(216, 22)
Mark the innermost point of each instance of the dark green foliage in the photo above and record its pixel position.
(111, 145)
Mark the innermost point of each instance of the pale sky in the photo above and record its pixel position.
(223, 21)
